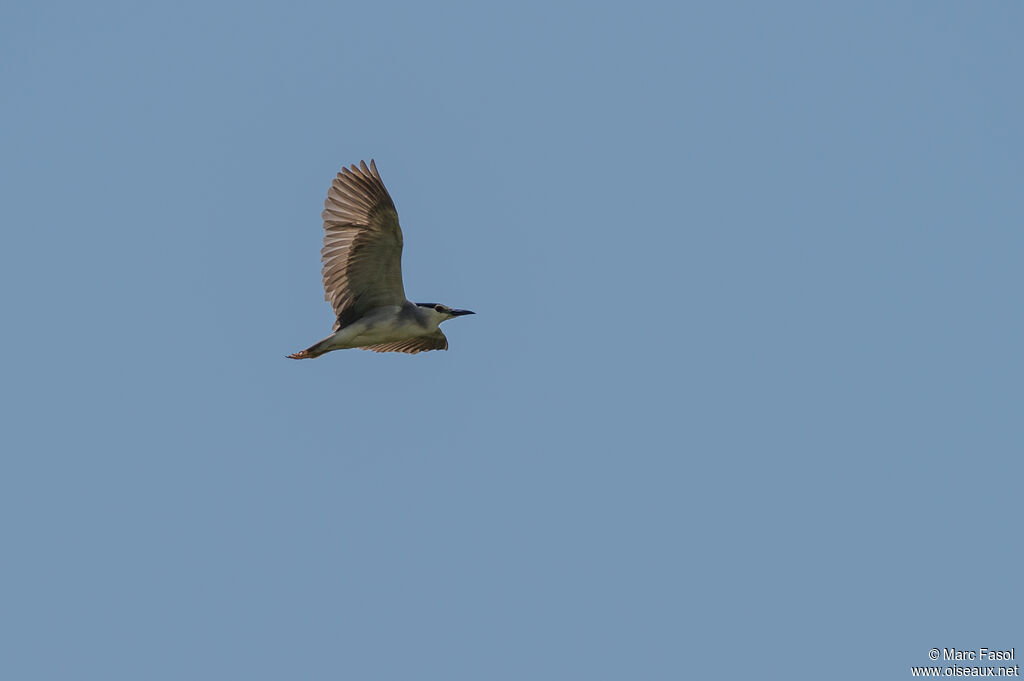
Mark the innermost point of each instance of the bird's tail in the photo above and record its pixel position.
(312, 352)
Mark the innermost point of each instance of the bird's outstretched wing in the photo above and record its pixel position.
(362, 253)
(432, 341)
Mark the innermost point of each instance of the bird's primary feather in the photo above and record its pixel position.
(362, 252)
(431, 341)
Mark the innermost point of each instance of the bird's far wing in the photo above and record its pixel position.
(362, 253)
(432, 341)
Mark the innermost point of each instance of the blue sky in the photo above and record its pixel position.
(742, 398)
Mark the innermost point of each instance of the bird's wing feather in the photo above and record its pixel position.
(362, 253)
(432, 341)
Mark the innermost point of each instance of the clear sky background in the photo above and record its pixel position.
(742, 399)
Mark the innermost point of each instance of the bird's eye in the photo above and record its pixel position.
(440, 308)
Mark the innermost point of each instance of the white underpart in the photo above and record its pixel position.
(386, 325)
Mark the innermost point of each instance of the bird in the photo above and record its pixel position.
(362, 273)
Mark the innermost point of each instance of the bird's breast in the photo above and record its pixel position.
(383, 325)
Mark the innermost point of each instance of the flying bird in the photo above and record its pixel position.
(362, 272)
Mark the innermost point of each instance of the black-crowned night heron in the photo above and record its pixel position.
(362, 273)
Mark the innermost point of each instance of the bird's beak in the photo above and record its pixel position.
(459, 313)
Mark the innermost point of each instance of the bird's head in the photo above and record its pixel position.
(443, 310)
